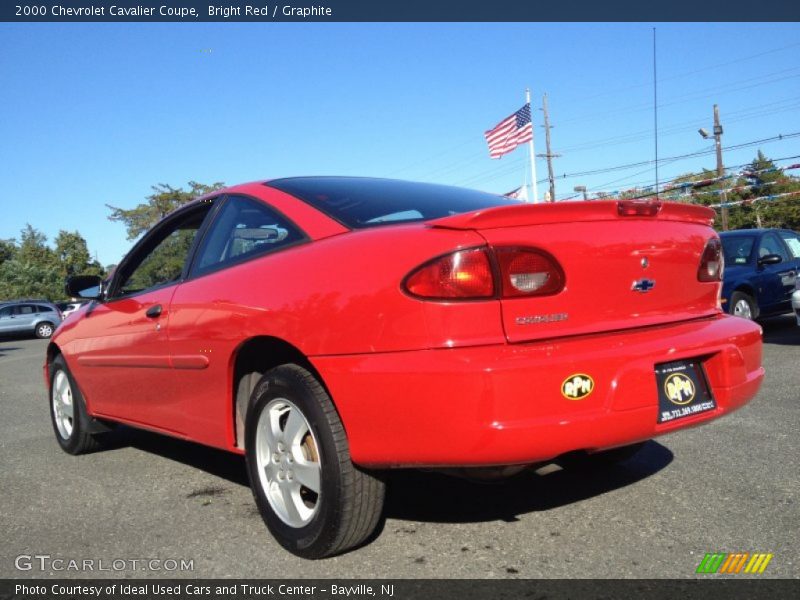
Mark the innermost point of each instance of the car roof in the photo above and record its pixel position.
(25, 301)
(749, 231)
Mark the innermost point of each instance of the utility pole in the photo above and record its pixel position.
(549, 156)
(720, 168)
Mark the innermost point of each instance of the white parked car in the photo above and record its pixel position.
(69, 308)
(796, 301)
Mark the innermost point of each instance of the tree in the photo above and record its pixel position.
(8, 250)
(33, 248)
(73, 255)
(160, 203)
(34, 270)
(762, 178)
(19, 279)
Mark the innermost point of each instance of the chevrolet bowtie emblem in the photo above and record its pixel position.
(643, 285)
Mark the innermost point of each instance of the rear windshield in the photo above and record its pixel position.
(361, 202)
(737, 249)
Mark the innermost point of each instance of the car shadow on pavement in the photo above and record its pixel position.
(433, 497)
(219, 463)
(781, 330)
(5, 349)
(429, 496)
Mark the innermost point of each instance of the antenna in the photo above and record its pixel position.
(655, 107)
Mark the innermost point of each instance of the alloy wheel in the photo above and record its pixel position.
(288, 462)
(63, 405)
(742, 309)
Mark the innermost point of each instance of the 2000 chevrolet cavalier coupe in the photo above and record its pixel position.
(331, 328)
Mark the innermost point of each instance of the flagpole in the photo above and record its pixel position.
(534, 191)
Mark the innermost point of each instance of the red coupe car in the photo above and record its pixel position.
(330, 328)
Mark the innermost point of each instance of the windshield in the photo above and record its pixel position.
(362, 202)
(737, 249)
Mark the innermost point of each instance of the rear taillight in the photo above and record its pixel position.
(711, 262)
(470, 275)
(466, 274)
(526, 272)
(638, 208)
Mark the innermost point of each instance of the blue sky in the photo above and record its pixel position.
(97, 113)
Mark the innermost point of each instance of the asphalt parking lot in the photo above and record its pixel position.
(729, 486)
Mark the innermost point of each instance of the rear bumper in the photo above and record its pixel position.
(502, 404)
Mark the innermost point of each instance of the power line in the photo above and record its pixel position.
(778, 137)
(675, 178)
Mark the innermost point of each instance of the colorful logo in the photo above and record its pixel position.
(735, 562)
(679, 389)
(577, 386)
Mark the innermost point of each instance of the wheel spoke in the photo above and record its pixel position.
(295, 428)
(307, 474)
(61, 384)
(291, 495)
(275, 432)
(67, 410)
(271, 472)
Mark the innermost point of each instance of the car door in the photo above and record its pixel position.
(122, 360)
(792, 242)
(212, 310)
(25, 317)
(7, 320)
(776, 281)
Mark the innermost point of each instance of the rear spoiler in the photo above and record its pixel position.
(572, 212)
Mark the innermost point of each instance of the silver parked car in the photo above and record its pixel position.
(29, 316)
(796, 301)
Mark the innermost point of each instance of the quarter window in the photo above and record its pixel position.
(243, 229)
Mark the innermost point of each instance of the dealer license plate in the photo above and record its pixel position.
(682, 390)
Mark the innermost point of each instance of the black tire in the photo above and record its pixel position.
(71, 434)
(747, 307)
(348, 506)
(44, 330)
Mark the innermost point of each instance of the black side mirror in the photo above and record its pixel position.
(84, 286)
(770, 259)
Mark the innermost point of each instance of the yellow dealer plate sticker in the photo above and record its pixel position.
(577, 386)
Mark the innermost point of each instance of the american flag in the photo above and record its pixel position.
(521, 193)
(510, 133)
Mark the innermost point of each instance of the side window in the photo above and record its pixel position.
(793, 241)
(24, 309)
(770, 244)
(161, 260)
(43, 309)
(244, 228)
(6, 312)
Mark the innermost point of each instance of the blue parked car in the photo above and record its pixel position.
(761, 267)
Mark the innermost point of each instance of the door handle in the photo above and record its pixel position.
(153, 312)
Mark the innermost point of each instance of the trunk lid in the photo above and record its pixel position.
(621, 272)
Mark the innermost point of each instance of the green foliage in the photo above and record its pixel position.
(164, 264)
(8, 250)
(73, 257)
(784, 212)
(20, 279)
(34, 270)
(160, 203)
